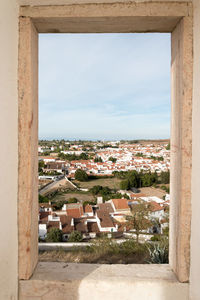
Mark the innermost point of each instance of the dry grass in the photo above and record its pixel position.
(43, 182)
(150, 191)
(92, 258)
(112, 183)
(102, 252)
(80, 196)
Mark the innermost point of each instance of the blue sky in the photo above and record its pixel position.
(104, 86)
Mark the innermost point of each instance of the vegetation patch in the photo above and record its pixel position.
(107, 251)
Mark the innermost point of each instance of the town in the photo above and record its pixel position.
(88, 189)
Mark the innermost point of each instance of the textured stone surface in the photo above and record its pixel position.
(195, 232)
(181, 147)
(108, 17)
(28, 143)
(68, 2)
(59, 281)
(152, 15)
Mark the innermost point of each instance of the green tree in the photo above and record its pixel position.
(146, 179)
(138, 220)
(75, 236)
(72, 200)
(168, 146)
(96, 189)
(84, 156)
(125, 184)
(105, 190)
(41, 165)
(59, 204)
(164, 177)
(98, 159)
(42, 199)
(54, 235)
(133, 178)
(81, 175)
(89, 202)
(113, 159)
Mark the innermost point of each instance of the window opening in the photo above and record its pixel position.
(104, 147)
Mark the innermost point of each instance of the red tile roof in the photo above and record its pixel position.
(105, 219)
(120, 203)
(88, 208)
(80, 225)
(74, 210)
(154, 206)
(53, 224)
(93, 227)
(66, 224)
(44, 217)
(107, 207)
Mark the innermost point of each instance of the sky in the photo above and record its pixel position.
(104, 86)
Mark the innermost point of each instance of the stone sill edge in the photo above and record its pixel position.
(73, 272)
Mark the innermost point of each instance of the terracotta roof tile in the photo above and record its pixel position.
(120, 203)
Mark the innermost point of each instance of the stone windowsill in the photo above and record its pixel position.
(67, 281)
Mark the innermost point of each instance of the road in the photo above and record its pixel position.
(53, 186)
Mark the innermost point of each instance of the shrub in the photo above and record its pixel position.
(166, 231)
(163, 187)
(81, 175)
(59, 204)
(89, 202)
(42, 199)
(124, 185)
(54, 235)
(75, 236)
(159, 253)
(72, 200)
(156, 238)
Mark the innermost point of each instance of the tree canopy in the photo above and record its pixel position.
(81, 175)
(54, 235)
(140, 179)
(138, 220)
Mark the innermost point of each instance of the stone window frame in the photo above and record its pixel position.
(166, 16)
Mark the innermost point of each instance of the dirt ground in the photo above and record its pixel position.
(80, 196)
(150, 191)
(43, 182)
(112, 183)
(155, 142)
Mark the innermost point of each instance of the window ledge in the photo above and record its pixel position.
(61, 281)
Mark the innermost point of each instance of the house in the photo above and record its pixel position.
(156, 210)
(93, 228)
(74, 210)
(53, 224)
(120, 205)
(42, 227)
(55, 166)
(45, 207)
(104, 222)
(80, 224)
(106, 207)
(67, 223)
(88, 211)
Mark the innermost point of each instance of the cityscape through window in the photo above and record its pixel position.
(104, 147)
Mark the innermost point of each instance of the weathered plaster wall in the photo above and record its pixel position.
(8, 148)
(195, 230)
